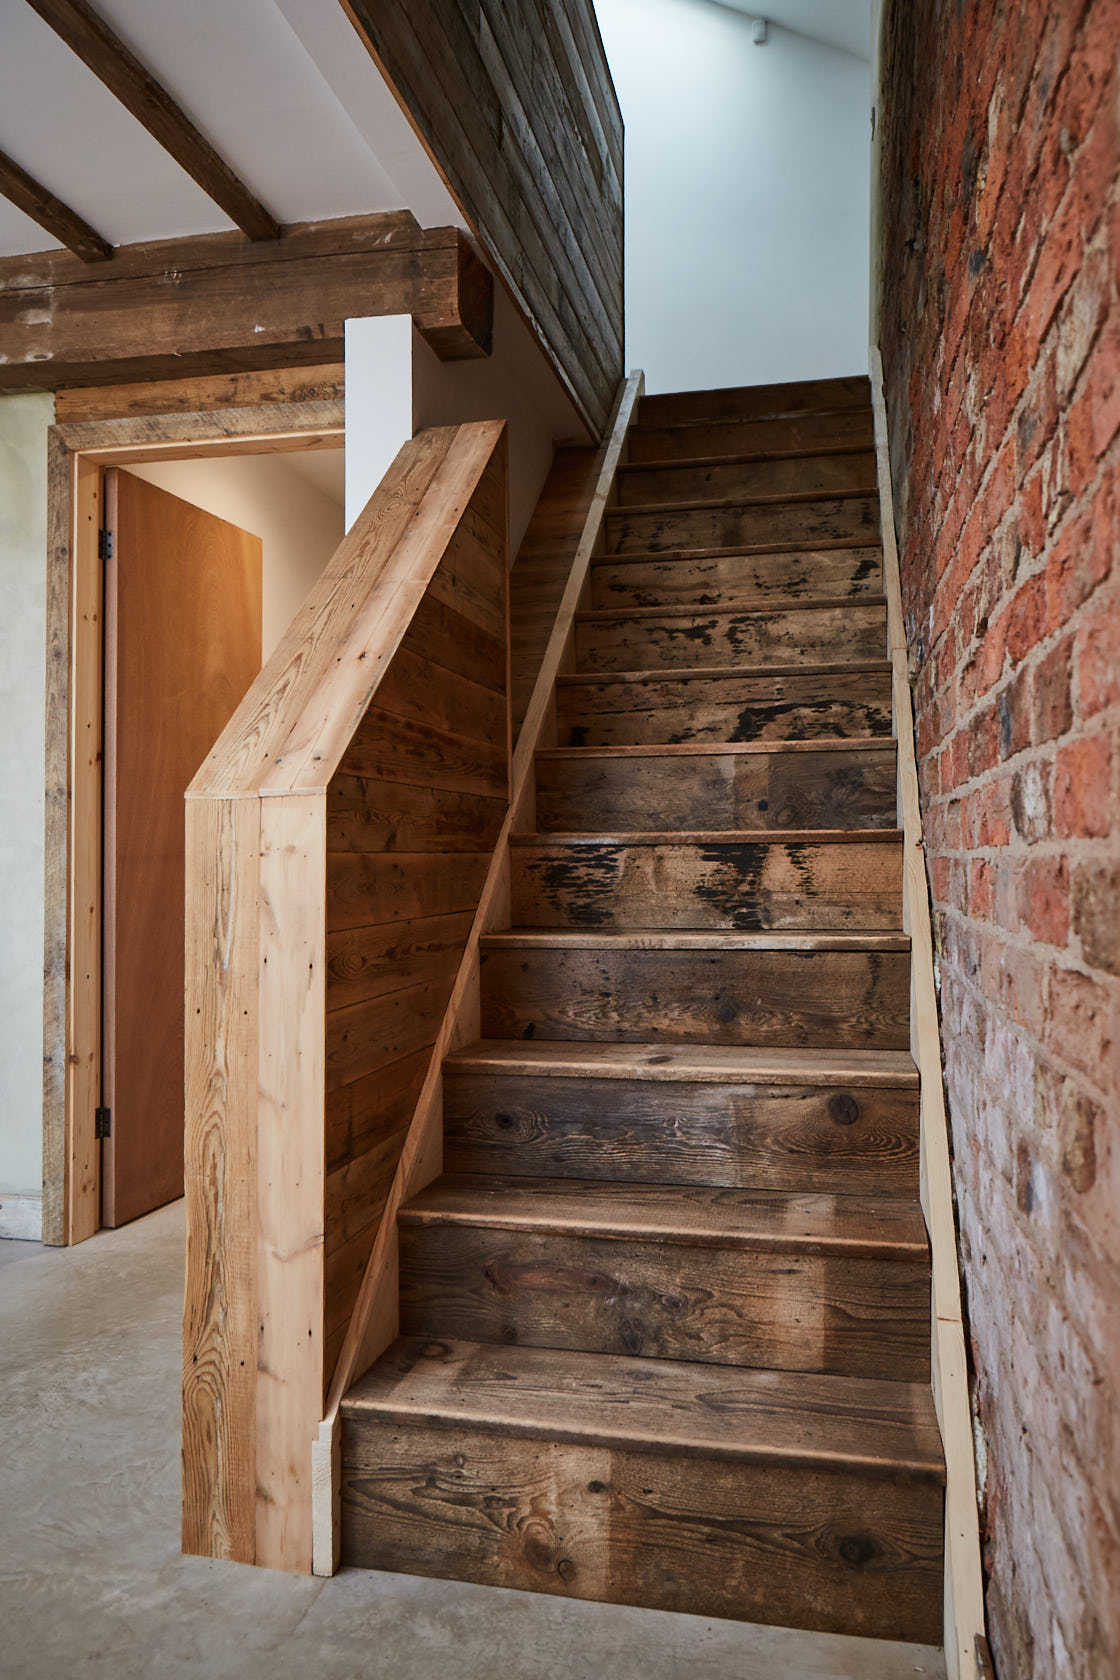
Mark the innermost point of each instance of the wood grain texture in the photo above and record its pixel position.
(324, 383)
(661, 638)
(758, 402)
(213, 305)
(713, 883)
(622, 992)
(843, 1136)
(516, 106)
(656, 1298)
(57, 218)
(708, 787)
(344, 960)
(220, 1326)
(743, 525)
(712, 440)
(733, 581)
(725, 704)
(770, 480)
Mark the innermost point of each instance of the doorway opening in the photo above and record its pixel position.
(185, 561)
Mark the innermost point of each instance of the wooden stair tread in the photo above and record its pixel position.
(712, 837)
(723, 673)
(648, 556)
(694, 1216)
(747, 1415)
(782, 498)
(812, 452)
(701, 1063)
(689, 939)
(770, 609)
(711, 749)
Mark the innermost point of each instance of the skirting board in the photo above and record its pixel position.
(22, 1217)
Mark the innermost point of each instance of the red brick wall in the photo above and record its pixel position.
(1001, 341)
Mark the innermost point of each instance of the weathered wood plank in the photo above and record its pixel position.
(810, 475)
(714, 883)
(830, 519)
(709, 440)
(823, 785)
(834, 1137)
(739, 580)
(489, 98)
(207, 306)
(664, 1300)
(714, 996)
(757, 402)
(324, 383)
(842, 701)
(656, 638)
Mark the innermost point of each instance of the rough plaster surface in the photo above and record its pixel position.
(23, 570)
(92, 1582)
(1001, 344)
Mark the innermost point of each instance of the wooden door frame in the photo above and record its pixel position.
(76, 453)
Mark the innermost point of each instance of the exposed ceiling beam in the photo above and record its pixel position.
(113, 64)
(62, 223)
(212, 303)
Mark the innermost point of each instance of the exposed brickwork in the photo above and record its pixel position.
(1001, 343)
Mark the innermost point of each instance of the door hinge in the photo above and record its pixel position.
(104, 545)
(103, 1123)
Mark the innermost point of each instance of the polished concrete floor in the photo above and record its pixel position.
(92, 1582)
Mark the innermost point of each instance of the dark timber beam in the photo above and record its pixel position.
(88, 35)
(30, 196)
(214, 304)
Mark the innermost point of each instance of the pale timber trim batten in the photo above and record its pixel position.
(374, 1322)
(338, 839)
(964, 1601)
(251, 413)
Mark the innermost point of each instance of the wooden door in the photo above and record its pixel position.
(182, 644)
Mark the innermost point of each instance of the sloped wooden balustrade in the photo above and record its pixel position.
(338, 838)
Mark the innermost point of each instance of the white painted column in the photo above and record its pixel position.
(378, 402)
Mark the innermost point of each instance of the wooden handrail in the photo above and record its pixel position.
(374, 1324)
(338, 837)
(964, 1601)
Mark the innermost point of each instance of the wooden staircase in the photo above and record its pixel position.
(666, 1315)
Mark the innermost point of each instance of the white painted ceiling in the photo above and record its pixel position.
(844, 24)
(282, 89)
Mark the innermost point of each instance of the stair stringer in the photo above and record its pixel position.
(964, 1637)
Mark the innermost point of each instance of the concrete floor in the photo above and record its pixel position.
(92, 1581)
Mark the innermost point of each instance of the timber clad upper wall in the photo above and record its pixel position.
(514, 100)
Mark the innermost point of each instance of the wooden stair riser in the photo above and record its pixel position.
(711, 884)
(704, 440)
(790, 1311)
(796, 635)
(733, 581)
(811, 475)
(831, 519)
(665, 709)
(853, 787)
(817, 1549)
(758, 402)
(839, 1138)
(842, 999)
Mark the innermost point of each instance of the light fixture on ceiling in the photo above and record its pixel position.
(761, 32)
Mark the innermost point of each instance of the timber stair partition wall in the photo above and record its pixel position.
(665, 1316)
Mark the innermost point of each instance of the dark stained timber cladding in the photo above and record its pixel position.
(514, 99)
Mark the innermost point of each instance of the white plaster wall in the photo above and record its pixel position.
(747, 192)
(23, 569)
(300, 524)
(395, 381)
